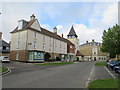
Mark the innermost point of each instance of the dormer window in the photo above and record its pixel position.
(20, 24)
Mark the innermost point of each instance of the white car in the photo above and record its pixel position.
(4, 59)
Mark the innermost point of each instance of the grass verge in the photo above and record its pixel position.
(62, 63)
(101, 64)
(104, 83)
(3, 69)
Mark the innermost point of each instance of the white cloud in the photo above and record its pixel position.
(84, 33)
(59, 26)
(104, 16)
(46, 26)
(110, 15)
(100, 18)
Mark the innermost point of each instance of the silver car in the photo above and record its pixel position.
(4, 59)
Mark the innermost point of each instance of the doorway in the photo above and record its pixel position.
(94, 58)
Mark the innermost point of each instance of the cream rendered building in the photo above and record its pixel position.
(29, 42)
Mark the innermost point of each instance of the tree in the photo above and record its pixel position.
(47, 56)
(111, 41)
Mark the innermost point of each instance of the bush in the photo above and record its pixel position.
(58, 59)
(47, 56)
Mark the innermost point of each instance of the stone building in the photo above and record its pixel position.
(92, 52)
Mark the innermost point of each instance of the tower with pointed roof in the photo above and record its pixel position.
(72, 36)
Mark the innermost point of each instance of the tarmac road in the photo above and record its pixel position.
(32, 76)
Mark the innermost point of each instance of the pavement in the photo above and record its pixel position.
(31, 76)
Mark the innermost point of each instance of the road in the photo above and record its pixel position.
(32, 76)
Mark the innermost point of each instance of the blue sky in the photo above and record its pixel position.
(88, 18)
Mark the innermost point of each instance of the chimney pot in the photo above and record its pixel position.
(32, 17)
(0, 35)
(86, 41)
(55, 30)
(62, 34)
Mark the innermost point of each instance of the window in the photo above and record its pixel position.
(35, 34)
(20, 25)
(19, 35)
(17, 56)
(50, 40)
(60, 44)
(7, 48)
(73, 36)
(35, 44)
(43, 38)
(50, 48)
(70, 46)
(94, 52)
(43, 46)
(18, 44)
(4, 47)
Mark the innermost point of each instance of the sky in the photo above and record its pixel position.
(89, 19)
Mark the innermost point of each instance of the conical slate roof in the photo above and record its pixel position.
(72, 32)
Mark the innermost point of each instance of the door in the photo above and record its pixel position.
(94, 58)
(17, 56)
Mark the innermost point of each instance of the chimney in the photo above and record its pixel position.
(55, 30)
(92, 40)
(0, 35)
(32, 17)
(62, 34)
(86, 41)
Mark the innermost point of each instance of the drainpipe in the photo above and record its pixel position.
(27, 46)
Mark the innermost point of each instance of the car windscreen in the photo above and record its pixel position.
(5, 57)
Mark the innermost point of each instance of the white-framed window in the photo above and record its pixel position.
(60, 44)
(35, 34)
(43, 46)
(20, 25)
(7, 48)
(50, 40)
(18, 44)
(43, 38)
(94, 52)
(35, 44)
(18, 35)
(50, 47)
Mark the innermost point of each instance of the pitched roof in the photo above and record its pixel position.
(79, 53)
(72, 32)
(25, 27)
(4, 43)
(43, 31)
(91, 43)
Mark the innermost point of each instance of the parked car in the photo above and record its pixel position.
(4, 59)
(118, 71)
(116, 68)
(110, 62)
(112, 65)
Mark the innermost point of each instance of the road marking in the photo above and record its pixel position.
(88, 81)
(109, 72)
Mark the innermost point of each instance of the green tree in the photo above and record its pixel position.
(47, 56)
(111, 41)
